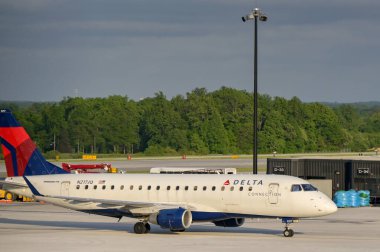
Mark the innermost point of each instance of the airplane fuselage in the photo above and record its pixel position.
(205, 195)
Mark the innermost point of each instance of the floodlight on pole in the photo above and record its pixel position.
(255, 14)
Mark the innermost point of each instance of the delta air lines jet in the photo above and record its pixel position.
(172, 201)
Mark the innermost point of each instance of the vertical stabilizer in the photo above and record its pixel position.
(20, 153)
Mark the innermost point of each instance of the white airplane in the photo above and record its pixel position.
(171, 201)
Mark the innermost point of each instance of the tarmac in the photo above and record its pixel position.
(43, 227)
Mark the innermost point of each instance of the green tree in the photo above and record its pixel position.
(204, 119)
(161, 125)
(236, 110)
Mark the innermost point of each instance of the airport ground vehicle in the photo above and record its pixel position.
(88, 168)
(6, 195)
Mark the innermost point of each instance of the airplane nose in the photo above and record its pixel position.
(330, 207)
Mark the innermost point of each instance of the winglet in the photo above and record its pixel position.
(32, 188)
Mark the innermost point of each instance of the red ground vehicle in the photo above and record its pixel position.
(88, 168)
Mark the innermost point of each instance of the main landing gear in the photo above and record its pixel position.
(141, 227)
(288, 232)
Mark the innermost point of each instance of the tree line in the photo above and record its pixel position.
(202, 122)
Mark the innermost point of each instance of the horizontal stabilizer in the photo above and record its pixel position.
(11, 185)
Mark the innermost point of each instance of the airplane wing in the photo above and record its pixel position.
(131, 204)
(134, 207)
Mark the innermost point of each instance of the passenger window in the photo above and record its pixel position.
(241, 188)
(222, 188)
(250, 188)
(104, 187)
(149, 187)
(186, 188)
(204, 188)
(157, 187)
(195, 188)
(168, 187)
(78, 186)
(131, 187)
(86, 187)
(121, 187)
(213, 188)
(140, 187)
(177, 188)
(232, 188)
(296, 188)
(95, 186)
(112, 187)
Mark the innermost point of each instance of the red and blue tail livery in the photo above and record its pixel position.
(20, 153)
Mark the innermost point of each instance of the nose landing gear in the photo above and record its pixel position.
(288, 232)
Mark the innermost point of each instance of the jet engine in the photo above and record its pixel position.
(175, 219)
(233, 222)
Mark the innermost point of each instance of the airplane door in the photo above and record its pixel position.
(273, 193)
(65, 186)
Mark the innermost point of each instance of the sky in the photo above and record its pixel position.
(325, 50)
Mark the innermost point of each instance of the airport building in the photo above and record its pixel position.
(345, 174)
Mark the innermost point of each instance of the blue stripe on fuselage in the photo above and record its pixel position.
(32, 188)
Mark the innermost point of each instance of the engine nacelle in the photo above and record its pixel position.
(175, 219)
(233, 222)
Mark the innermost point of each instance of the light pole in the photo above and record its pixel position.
(255, 15)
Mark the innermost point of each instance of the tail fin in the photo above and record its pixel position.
(20, 153)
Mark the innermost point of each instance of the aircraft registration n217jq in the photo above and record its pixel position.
(172, 201)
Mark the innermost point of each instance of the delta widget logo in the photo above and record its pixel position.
(244, 182)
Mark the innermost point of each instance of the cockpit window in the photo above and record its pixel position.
(308, 187)
(296, 188)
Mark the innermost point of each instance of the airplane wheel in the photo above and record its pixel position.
(10, 196)
(288, 232)
(291, 232)
(147, 228)
(139, 228)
